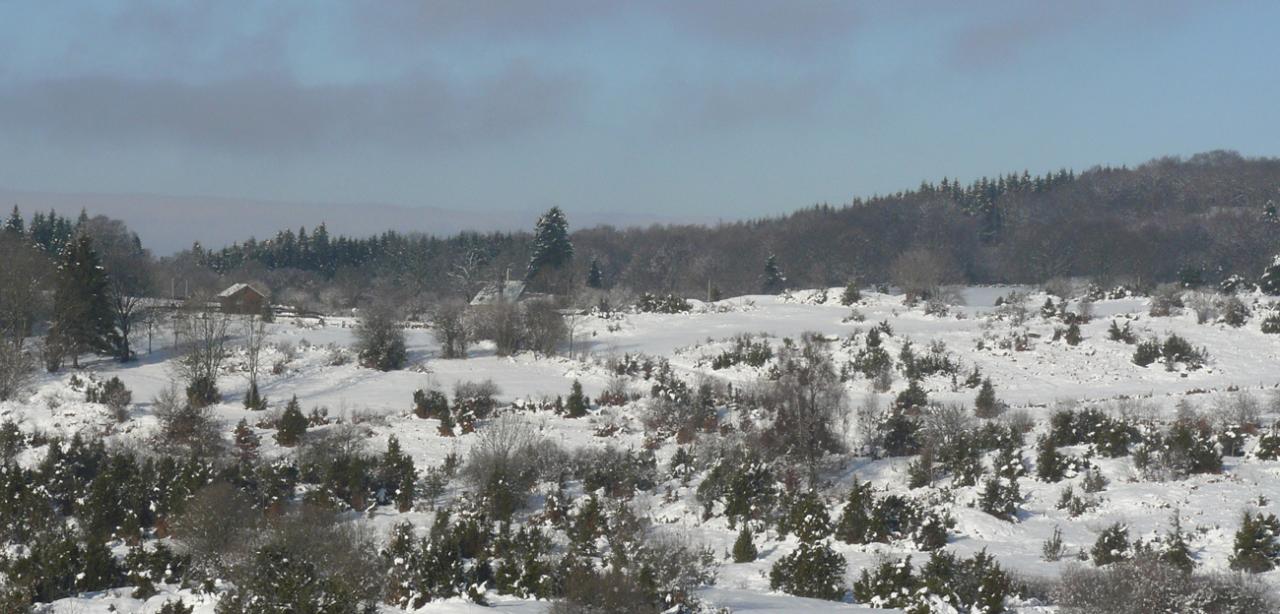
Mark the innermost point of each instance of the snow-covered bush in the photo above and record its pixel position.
(945, 583)
(1257, 543)
(1112, 546)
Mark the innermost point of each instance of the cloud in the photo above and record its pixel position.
(276, 113)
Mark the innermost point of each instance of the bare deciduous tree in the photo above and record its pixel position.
(449, 321)
(202, 335)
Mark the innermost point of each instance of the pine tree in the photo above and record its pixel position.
(595, 277)
(812, 570)
(774, 281)
(82, 317)
(552, 248)
(744, 549)
(986, 405)
(1257, 543)
(1112, 545)
(1000, 498)
(1072, 336)
(1270, 280)
(293, 425)
(576, 406)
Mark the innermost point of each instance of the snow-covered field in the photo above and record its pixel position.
(1048, 375)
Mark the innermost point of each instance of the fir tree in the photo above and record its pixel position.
(82, 317)
(576, 406)
(1072, 336)
(744, 549)
(595, 277)
(552, 248)
(850, 295)
(774, 281)
(293, 424)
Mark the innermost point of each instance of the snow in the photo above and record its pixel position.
(1098, 371)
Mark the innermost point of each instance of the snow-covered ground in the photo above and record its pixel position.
(316, 365)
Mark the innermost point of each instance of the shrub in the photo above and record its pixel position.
(811, 570)
(1179, 350)
(1146, 353)
(17, 369)
(186, 428)
(111, 393)
(503, 466)
(1148, 584)
(430, 404)
(1052, 549)
(650, 303)
(944, 583)
(1271, 324)
(1234, 312)
(1125, 334)
(1268, 444)
(380, 340)
(746, 351)
(474, 401)
(850, 295)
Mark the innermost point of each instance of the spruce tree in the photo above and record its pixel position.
(82, 317)
(812, 570)
(1050, 465)
(1270, 281)
(293, 425)
(15, 225)
(246, 442)
(744, 549)
(1174, 549)
(552, 248)
(253, 399)
(595, 277)
(986, 405)
(855, 521)
(576, 406)
(774, 281)
(1257, 543)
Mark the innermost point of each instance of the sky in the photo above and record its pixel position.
(712, 109)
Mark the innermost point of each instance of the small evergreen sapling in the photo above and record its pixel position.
(576, 405)
(1112, 546)
(811, 570)
(986, 405)
(744, 548)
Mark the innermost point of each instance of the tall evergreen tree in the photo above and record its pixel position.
(15, 225)
(774, 280)
(595, 277)
(552, 248)
(82, 316)
(1270, 282)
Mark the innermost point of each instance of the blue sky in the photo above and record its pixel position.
(708, 109)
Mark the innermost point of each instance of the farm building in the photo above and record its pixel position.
(242, 299)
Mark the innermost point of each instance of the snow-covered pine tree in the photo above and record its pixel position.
(576, 406)
(1112, 545)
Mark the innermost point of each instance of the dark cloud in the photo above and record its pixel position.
(275, 113)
